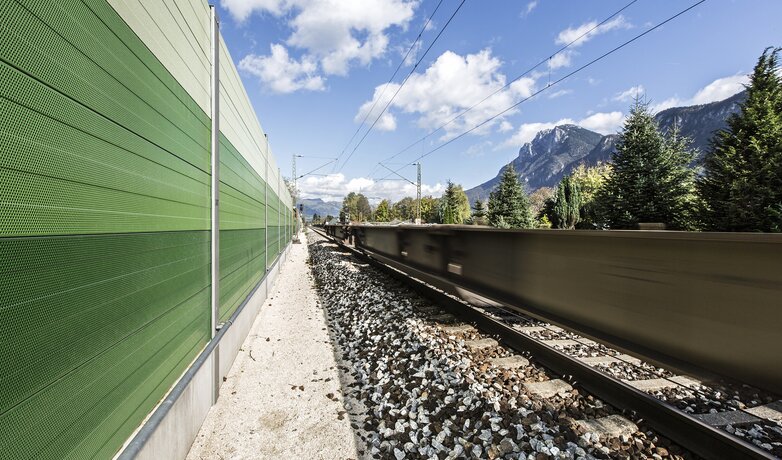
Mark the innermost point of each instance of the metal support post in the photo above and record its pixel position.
(215, 164)
(294, 178)
(418, 195)
(266, 206)
(279, 211)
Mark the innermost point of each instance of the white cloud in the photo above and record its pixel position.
(334, 187)
(610, 122)
(334, 34)
(281, 73)
(560, 93)
(573, 33)
(562, 59)
(629, 94)
(450, 85)
(530, 6)
(667, 104)
(505, 126)
(241, 9)
(527, 132)
(479, 149)
(410, 57)
(602, 122)
(719, 89)
(387, 121)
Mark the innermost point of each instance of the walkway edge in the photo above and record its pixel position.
(175, 422)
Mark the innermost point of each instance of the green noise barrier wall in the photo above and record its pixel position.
(105, 229)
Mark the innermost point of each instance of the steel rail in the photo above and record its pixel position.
(687, 431)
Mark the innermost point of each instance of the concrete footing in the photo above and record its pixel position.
(173, 425)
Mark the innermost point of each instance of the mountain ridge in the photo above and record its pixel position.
(319, 206)
(556, 151)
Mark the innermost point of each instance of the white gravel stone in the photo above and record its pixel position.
(548, 388)
(458, 329)
(612, 426)
(510, 362)
(481, 344)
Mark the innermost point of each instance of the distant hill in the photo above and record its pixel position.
(555, 152)
(320, 207)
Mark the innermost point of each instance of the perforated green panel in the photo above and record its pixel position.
(99, 157)
(241, 266)
(88, 329)
(104, 230)
(242, 243)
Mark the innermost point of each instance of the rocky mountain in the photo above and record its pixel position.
(542, 161)
(320, 207)
(554, 152)
(699, 122)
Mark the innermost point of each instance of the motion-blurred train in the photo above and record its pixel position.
(708, 304)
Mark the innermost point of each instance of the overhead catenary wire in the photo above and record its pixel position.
(310, 173)
(390, 80)
(554, 83)
(515, 79)
(401, 85)
(401, 177)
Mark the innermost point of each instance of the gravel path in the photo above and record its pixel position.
(428, 393)
(281, 398)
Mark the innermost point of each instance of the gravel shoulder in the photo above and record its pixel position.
(423, 388)
(282, 397)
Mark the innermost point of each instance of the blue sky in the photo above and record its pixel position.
(313, 68)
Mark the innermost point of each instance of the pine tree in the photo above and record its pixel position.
(651, 179)
(508, 204)
(741, 189)
(454, 206)
(478, 213)
(567, 204)
(478, 209)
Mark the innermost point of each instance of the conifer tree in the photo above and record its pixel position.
(478, 209)
(454, 206)
(741, 189)
(651, 179)
(508, 204)
(567, 204)
(478, 213)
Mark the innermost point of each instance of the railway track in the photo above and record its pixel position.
(739, 409)
(712, 421)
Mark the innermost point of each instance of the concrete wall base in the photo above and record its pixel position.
(172, 426)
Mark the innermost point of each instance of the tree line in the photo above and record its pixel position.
(652, 178)
(452, 208)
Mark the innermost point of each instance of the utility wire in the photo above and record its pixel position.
(317, 169)
(400, 176)
(402, 84)
(588, 64)
(404, 59)
(526, 72)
